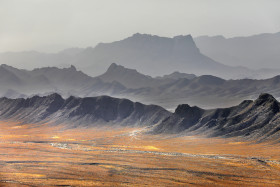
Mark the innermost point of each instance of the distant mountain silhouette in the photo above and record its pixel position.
(149, 54)
(168, 91)
(66, 81)
(177, 75)
(156, 55)
(131, 78)
(257, 51)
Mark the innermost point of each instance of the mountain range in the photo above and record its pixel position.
(251, 51)
(152, 55)
(251, 120)
(167, 91)
(80, 111)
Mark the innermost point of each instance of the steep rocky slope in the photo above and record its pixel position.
(252, 120)
(256, 120)
(80, 111)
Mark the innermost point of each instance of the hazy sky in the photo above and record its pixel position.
(51, 25)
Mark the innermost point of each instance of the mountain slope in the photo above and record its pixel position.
(150, 54)
(156, 55)
(128, 77)
(80, 111)
(131, 78)
(252, 120)
(66, 81)
(206, 91)
(168, 91)
(251, 51)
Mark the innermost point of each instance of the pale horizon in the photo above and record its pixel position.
(51, 26)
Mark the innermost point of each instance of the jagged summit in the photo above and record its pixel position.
(119, 68)
(185, 38)
(72, 67)
(184, 109)
(265, 97)
(179, 37)
(54, 96)
(5, 65)
(268, 102)
(113, 66)
(128, 77)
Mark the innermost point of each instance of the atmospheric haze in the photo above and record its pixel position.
(50, 25)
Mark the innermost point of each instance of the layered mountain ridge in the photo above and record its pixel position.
(250, 51)
(118, 81)
(80, 111)
(250, 120)
(150, 54)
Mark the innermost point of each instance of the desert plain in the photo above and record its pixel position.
(47, 155)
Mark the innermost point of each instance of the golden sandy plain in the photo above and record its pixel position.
(44, 155)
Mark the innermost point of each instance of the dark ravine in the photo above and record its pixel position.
(251, 120)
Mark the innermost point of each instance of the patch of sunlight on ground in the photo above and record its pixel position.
(137, 147)
(71, 139)
(16, 127)
(25, 175)
(55, 137)
(151, 147)
(236, 143)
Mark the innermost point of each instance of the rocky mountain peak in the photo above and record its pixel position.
(54, 96)
(184, 109)
(72, 67)
(268, 101)
(265, 98)
(113, 67)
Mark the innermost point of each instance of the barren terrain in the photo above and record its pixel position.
(45, 155)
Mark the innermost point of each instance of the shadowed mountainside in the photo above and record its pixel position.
(80, 111)
(253, 120)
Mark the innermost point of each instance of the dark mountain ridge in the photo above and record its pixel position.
(252, 120)
(76, 111)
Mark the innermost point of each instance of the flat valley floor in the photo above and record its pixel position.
(44, 155)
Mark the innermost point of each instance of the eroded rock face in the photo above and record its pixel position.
(254, 120)
(257, 119)
(90, 110)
